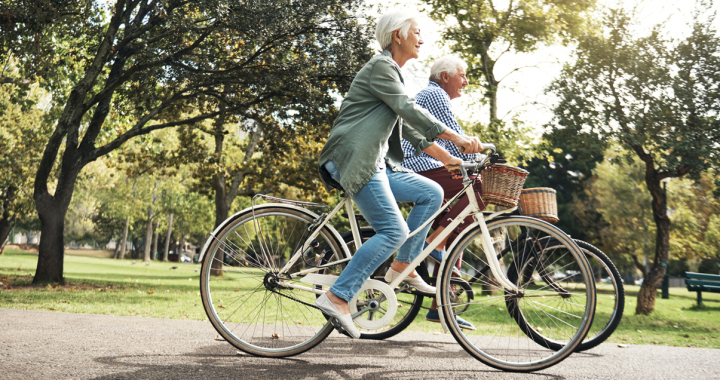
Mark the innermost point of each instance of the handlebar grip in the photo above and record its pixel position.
(452, 168)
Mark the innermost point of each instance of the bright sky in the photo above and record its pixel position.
(523, 92)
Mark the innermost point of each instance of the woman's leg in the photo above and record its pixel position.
(427, 197)
(377, 204)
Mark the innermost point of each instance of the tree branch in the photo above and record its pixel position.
(640, 266)
(240, 175)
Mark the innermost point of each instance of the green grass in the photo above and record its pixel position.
(117, 287)
(104, 286)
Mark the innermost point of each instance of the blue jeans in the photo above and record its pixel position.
(377, 201)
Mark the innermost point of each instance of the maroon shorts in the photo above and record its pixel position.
(451, 187)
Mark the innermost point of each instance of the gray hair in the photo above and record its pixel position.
(447, 64)
(397, 19)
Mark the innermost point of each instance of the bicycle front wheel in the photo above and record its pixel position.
(556, 295)
(246, 298)
(610, 299)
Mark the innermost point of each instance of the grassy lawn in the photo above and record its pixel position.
(118, 287)
(104, 286)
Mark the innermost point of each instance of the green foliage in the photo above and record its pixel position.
(120, 70)
(22, 133)
(481, 32)
(562, 166)
(657, 98)
(514, 140)
(617, 192)
(694, 211)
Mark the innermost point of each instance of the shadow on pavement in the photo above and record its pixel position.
(335, 358)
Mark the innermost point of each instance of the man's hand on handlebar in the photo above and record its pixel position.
(469, 144)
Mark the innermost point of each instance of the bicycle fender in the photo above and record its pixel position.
(227, 221)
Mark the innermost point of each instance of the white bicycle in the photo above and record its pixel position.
(263, 268)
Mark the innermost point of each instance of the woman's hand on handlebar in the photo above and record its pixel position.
(453, 166)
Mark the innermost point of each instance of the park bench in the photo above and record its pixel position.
(701, 282)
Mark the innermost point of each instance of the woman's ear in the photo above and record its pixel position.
(396, 37)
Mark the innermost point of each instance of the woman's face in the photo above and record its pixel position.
(410, 47)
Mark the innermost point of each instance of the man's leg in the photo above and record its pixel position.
(451, 187)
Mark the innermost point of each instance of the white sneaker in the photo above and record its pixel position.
(416, 282)
(327, 307)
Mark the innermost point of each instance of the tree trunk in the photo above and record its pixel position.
(491, 84)
(224, 198)
(648, 290)
(653, 278)
(155, 240)
(123, 240)
(7, 222)
(148, 234)
(169, 237)
(4, 234)
(116, 254)
(52, 244)
(182, 242)
(6, 227)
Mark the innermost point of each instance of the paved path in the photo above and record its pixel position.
(46, 345)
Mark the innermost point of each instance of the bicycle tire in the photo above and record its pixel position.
(510, 349)
(602, 326)
(243, 299)
(411, 302)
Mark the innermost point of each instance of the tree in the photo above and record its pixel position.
(483, 33)
(148, 65)
(22, 130)
(565, 166)
(618, 193)
(658, 99)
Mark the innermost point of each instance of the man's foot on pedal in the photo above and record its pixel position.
(434, 316)
(416, 282)
(435, 254)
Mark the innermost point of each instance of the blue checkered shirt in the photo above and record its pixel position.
(434, 99)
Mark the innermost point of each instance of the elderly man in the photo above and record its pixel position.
(447, 79)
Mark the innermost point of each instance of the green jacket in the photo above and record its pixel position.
(376, 109)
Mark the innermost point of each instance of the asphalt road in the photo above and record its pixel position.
(47, 345)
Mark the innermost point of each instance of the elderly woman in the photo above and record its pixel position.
(363, 155)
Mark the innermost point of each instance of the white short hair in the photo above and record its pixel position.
(397, 19)
(447, 64)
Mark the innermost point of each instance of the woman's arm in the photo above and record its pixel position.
(385, 84)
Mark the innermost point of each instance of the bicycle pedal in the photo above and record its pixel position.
(337, 326)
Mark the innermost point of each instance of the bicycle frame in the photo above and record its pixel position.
(322, 222)
(472, 209)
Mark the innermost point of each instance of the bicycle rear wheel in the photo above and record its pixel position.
(610, 299)
(241, 289)
(562, 308)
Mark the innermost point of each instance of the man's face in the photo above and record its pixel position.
(453, 85)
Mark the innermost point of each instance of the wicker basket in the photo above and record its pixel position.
(501, 185)
(540, 203)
